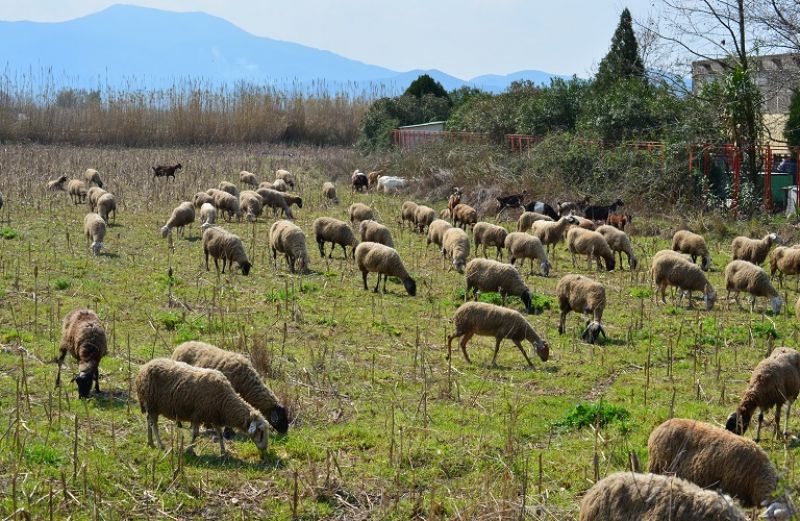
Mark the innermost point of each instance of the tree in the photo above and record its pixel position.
(792, 129)
(426, 85)
(623, 59)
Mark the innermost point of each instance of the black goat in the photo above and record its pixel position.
(359, 181)
(542, 208)
(166, 171)
(600, 213)
(510, 201)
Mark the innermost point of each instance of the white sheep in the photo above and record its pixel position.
(620, 243)
(208, 214)
(77, 191)
(279, 185)
(487, 234)
(521, 245)
(221, 244)
(423, 217)
(489, 275)
(528, 218)
(582, 295)
(741, 275)
(753, 250)
(407, 213)
(388, 184)
(107, 204)
(230, 188)
(359, 212)
(436, 232)
(372, 231)
(91, 176)
(455, 247)
(328, 229)
(94, 227)
(286, 177)
(329, 191)
(181, 216)
(248, 178)
(591, 244)
(673, 269)
(551, 233)
(276, 201)
(287, 238)
(372, 257)
(692, 244)
(251, 203)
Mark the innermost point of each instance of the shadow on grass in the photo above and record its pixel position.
(111, 399)
(270, 461)
(192, 239)
(108, 254)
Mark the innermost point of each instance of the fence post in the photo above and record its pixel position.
(737, 170)
(768, 180)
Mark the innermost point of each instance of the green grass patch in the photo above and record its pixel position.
(9, 233)
(61, 283)
(42, 455)
(593, 414)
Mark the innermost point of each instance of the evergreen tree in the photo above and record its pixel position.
(791, 131)
(623, 59)
(426, 85)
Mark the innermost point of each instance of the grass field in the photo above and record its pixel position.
(385, 427)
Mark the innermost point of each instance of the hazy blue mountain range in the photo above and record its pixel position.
(136, 47)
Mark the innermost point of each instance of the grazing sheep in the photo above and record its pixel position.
(489, 275)
(293, 200)
(741, 275)
(286, 177)
(436, 232)
(77, 191)
(464, 215)
(784, 261)
(230, 188)
(91, 176)
(57, 185)
(107, 204)
(478, 318)
(166, 171)
(242, 376)
(407, 213)
(620, 243)
(455, 247)
(753, 250)
(672, 269)
(201, 198)
(359, 212)
(372, 257)
(388, 184)
(227, 204)
(445, 214)
(712, 457)
(528, 218)
(276, 201)
(582, 295)
(774, 381)
(182, 215)
(248, 178)
(693, 245)
(359, 181)
(486, 234)
(592, 244)
(221, 244)
(423, 217)
(373, 231)
(196, 395)
(334, 231)
(208, 214)
(329, 191)
(92, 195)
(651, 497)
(279, 185)
(94, 227)
(84, 338)
(251, 203)
(287, 238)
(551, 233)
(523, 246)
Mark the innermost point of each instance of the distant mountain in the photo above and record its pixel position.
(127, 46)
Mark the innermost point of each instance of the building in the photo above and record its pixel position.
(433, 126)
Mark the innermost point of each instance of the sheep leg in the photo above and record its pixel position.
(385, 277)
(463, 344)
(561, 320)
(96, 380)
(321, 245)
(497, 342)
(522, 350)
(758, 430)
(60, 363)
(275, 257)
(788, 415)
(574, 262)
(216, 264)
(377, 285)
(752, 303)
(344, 249)
(193, 441)
(778, 419)
(450, 344)
(222, 451)
(364, 276)
(205, 252)
(152, 420)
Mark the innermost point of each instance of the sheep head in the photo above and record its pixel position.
(610, 263)
(96, 247)
(737, 422)
(279, 419)
(257, 430)
(246, 266)
(777, 303)
(777, 511)
(705, 263)
(592, 332)
(542, 350)
(545, 266)
(411, 286)
(709, 297)
(84, 382)
(166, 231)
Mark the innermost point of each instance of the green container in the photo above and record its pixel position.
(779, 180)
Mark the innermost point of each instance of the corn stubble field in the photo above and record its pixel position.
(384, 426)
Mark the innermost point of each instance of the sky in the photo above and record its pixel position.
(464, 38)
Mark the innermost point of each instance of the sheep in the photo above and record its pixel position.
(57, 185)
(389, 184)
(551, 233)
(620, 243)
(774, 381)
(77, 191)
(328, 229)
(83, 336)
(94, 227)
(251, 203)
(372, 257)
(582, 295)
(528, 218)
(182, 392)
(373, 231)
(784, 261)
(479, 318)
(241, 374)
(279, 185)
(293, 200)
(92, 195)
(91, 176)
(359, 212)
(586, 224)
(276, 201)
(651, 497)
(407, 213)
(672, 269)
(709, 456)
(166, 171)
(753, 250)
(455, 247)
(227, 204)
(523, 246)
(741, 275)
(592, 244)
(329, 191)
(208, 214)
(248, 178)
(221, 244)
(423, 217)
(490, 275)
(463, 215)
(182, 215)
(445, 214)
(436, 232)
(287, 238)
(692, 244)
(201, 198)
(486, 234)
(286, 177)
(107, 204)
(230, 188)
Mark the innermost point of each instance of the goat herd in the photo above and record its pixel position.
(222, 390)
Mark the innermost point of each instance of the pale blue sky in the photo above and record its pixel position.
(460, 37)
